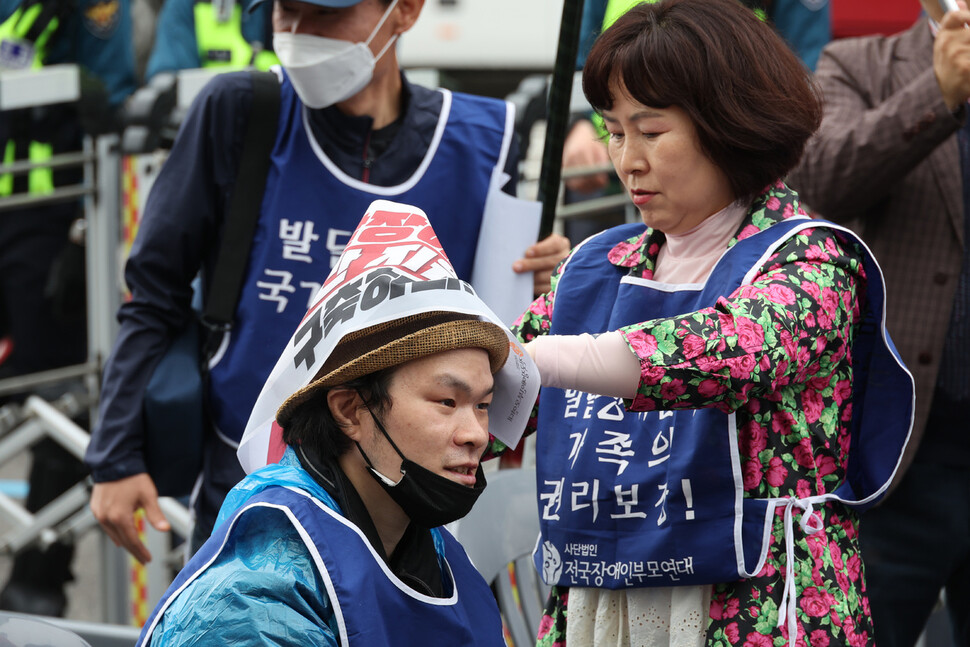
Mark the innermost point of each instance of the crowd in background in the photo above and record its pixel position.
(889, 161)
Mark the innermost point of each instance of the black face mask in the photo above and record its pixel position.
(428, 499)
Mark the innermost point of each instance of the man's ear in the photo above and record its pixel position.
(408, 12)
(345, 406)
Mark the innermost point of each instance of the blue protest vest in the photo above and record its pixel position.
(371, 605)
(656, 499)
(309, 210)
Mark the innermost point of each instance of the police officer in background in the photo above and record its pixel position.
(41, 270)
(220, 33)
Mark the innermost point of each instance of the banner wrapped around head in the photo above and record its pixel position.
(393, 267)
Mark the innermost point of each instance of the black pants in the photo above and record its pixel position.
(48, 331)
(220, 473)
(917, 542)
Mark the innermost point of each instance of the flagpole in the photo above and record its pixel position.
(557, 113)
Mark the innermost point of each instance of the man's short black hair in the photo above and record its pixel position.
(313, 426)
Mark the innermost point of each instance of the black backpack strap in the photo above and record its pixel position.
(245, 202)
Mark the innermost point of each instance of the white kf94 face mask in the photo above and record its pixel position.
(325, 71)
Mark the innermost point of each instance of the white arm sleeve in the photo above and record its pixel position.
(604, 365)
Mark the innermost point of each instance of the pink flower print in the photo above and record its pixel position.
(749, 230)
(846, 413)
(751, 473)
(754, 438)
(843, 582)
(835, 619)
(753, 407)
(850, 303)
(773, 204)
(854, 567)
(721, 608)
(799, 634)
(765, 363)
(830, 246)
(842, 391)
(545, 625)
(643, 403)
(782, 423)
(826, 465)
(651, 375)
(815, 252)
(839, 353)
(802, 489)
(742, 367)
(624, 252)
(643, 344)
(693, 346)
(789, 211)
(830, 301)
(855, 640)
(819, 382)
(710, 389)
(811, 405)
(672, 390)
(817, 578)
(803, 453)
(709, 364)
(540, 307)
(768, 570)
(836, 552)
(787, 343)
(813, 289)
(777, 472)
(819, 638)
(757, 640)
(815, 602)
(778, 293)
(745, 391)
(732, 633)
(824, 320)
(751, 335)
(727, 324)
(821, 343)
(816, 545)
(809, 319)
(849, 527)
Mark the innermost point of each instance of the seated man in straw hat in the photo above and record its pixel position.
(379, 411)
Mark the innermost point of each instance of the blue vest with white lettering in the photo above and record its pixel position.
(371, 605)
(633, 499)
(309, 210)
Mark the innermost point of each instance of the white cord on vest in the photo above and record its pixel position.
(788, 606)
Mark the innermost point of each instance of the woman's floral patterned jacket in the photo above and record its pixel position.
(776, 351)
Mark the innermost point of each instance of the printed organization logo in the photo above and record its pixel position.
(551, 564)
(101, 18)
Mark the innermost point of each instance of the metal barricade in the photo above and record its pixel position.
(125, 592)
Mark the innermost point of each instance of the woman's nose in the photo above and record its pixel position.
(631, 159)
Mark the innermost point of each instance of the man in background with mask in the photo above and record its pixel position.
(351, 129)
(384, 431)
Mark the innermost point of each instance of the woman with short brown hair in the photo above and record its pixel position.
(710, 421)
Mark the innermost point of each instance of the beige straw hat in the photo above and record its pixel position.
(395, 342)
